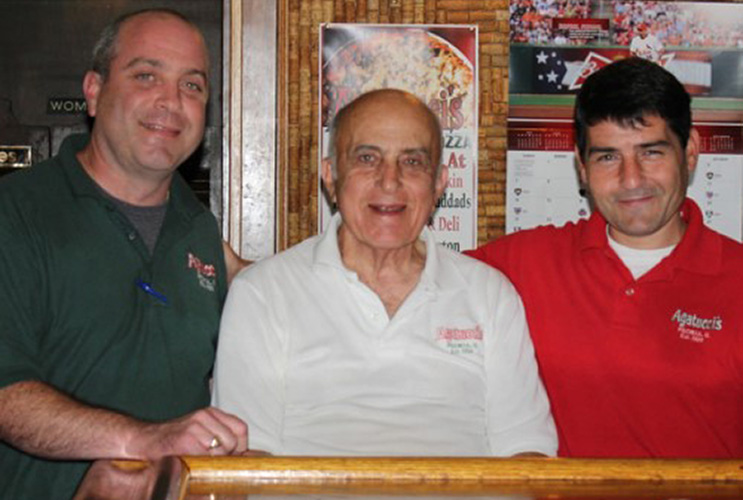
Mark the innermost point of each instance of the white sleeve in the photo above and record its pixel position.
(249, 371)
(658, 46)
(519, 418)
(633, 46)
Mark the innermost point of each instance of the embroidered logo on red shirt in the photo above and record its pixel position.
(695, 328)
(206, 273)
(460, 340)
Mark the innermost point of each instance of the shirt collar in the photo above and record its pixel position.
(80, 182)
(327, 253)
(182, 198)
(699, 251)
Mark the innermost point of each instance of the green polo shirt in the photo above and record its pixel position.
(85, 308)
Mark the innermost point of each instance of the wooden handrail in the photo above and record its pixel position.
(438, 471)
(358, 478)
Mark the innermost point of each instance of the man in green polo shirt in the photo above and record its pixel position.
(113, 276)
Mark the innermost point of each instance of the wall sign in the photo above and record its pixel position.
(15, 156)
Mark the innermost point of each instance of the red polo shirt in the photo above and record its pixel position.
(634, 368)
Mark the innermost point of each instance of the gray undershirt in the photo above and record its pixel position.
(146, 220)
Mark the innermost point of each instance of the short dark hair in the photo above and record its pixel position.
(104, 49)
(625, 92)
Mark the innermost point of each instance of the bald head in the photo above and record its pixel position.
(387, 173)
(384, 104)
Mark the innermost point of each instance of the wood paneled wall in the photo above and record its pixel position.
(299, 22)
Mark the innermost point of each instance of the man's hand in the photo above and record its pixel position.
(207, 431)
(41, 421)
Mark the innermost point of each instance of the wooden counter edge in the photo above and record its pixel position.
(429, 470)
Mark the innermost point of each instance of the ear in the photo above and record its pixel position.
(692, 150)
(441, 180)
(582, 173)
(327, 178)
(92, 84)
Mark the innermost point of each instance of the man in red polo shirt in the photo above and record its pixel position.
(636, 314)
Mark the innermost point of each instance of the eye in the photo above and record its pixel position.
(144, 77)
(604, 158)
(366, 158)
(653, 153)
(194, 86)
(414, 161)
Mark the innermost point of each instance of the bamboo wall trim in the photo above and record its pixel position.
(232, 226)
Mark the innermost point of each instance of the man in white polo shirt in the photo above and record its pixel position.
(371, 339)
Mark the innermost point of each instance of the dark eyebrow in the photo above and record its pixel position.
(655, 144)
(644, 145)
(594, 149)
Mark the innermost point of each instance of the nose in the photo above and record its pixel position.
(389, 177)
(631, 173)
(168, 97)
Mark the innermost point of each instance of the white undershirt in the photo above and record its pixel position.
(638, 261)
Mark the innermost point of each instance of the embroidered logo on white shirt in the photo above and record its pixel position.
(460, 340)
(695, 328)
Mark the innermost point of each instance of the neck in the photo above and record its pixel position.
(391, 273)
(140, 191)
(667, 236)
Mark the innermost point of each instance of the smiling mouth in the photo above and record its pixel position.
(388, 209)
(636, 197)
(635, 204)
(161, 129)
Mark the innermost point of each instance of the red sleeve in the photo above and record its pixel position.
(489, 254)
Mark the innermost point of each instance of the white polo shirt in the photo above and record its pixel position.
(310, 360)
(649, 48)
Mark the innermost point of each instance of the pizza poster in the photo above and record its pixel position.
(438, 64)
(556, 45)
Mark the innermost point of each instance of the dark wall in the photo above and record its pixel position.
(45, 48)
